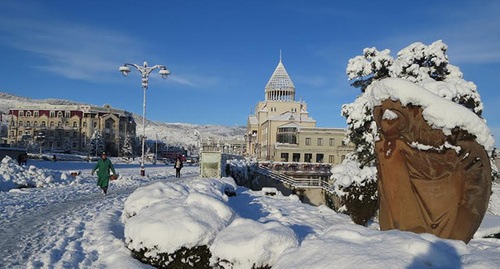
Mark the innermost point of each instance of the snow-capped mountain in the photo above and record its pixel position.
(171, 133)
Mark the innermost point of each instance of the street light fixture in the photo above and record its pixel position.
(145, 70)
(200, 142)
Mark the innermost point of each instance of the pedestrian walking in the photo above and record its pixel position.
(178, 166)
(103, 166)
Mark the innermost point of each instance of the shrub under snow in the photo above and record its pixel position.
(357, 189)
(250, 244)
(14, 176)
(170, 225)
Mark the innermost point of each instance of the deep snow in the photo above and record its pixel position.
(74, 226)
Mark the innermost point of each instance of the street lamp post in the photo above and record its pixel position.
(145, 70)
(200, 142)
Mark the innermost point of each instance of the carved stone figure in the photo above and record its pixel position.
(429, 182)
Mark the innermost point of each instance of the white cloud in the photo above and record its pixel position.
(80, 52)
(71, 51)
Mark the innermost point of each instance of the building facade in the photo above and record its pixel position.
(70, 127)
(281, 128)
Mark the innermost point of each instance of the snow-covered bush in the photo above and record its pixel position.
(250, 244)
(357, 189)
(169, 224)
(14, 176)
(191, 225)
(242, 170)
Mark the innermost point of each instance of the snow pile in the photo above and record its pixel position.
(348, 173)
(164, 217)
(14, 176)
(353, 246)
(146, 196)
(248, 244)
(437, 111)
(489, 226)
(371, 61)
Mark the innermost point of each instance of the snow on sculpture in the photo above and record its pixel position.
(432, 159)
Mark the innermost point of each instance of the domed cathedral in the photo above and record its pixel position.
(282, 130)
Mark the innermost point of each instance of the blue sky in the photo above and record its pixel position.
(222, 53)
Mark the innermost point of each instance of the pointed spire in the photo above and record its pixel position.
(280, 80)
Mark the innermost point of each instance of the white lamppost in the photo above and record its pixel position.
(200, 142)
(145, 70)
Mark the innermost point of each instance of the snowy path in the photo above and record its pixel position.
(65, 227)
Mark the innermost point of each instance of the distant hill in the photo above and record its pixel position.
(171, 133)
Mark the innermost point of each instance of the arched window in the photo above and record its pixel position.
(75, 124)
(43, 124)
(20, 123)
(28, 113)
(51, 124)
(59, 114)
(66, 123)
(28, 123)
(35, 124)
(59, 124)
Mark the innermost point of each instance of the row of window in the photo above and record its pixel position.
(319, 142)
(52, 124)
(52, 114)
(308, 157)
(43, 124)
(51, 134)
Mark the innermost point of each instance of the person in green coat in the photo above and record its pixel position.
(103, 166)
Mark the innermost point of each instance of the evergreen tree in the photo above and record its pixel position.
(96, 145)
(127, 149)
(425, 65)
(67, 145)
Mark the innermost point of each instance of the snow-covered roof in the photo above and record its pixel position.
(437, 111)
(253, 119)
(290, 116)
(280, 80)
(290, 125)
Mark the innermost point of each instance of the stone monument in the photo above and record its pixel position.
(429, 182)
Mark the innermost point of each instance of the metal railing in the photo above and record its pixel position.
(294, 182)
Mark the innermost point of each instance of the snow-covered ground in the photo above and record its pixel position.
(72, 225)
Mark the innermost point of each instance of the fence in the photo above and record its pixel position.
(315, 183)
